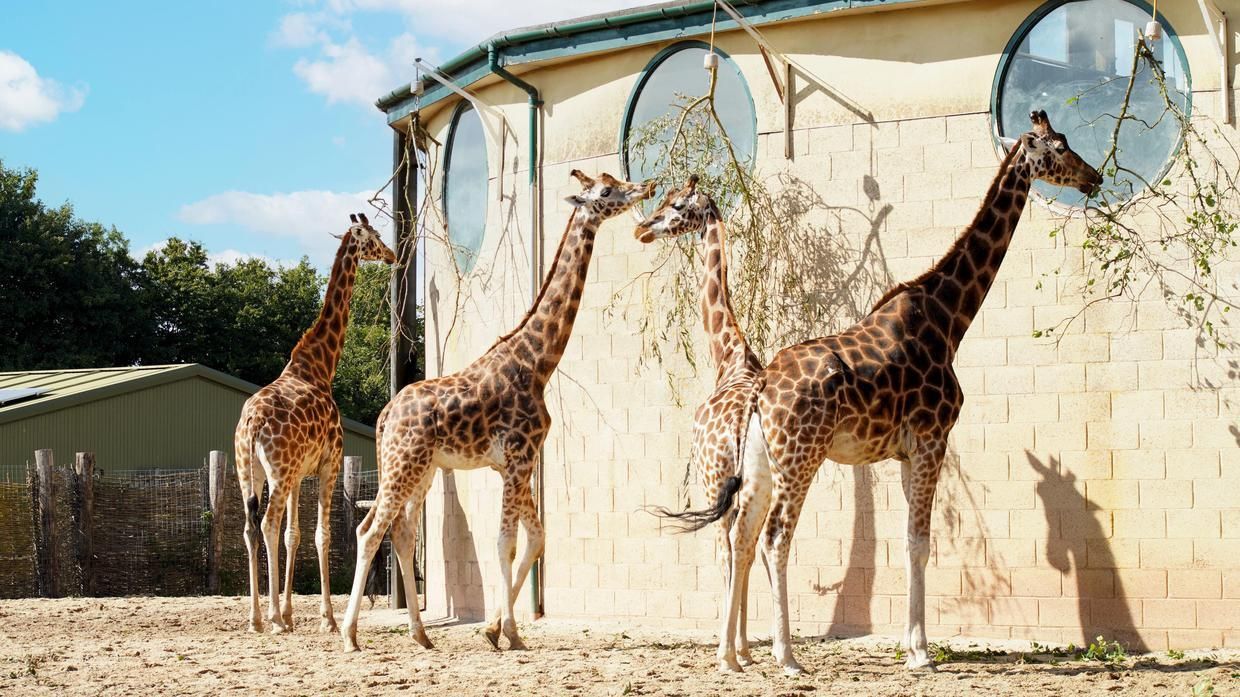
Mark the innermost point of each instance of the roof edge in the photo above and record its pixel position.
(170, 373)
(755, 11)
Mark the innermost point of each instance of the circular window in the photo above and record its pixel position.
(675, 76)
(1075, 59)
(465, 186)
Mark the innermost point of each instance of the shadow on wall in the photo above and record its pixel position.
(464, 597)
(1102, 607)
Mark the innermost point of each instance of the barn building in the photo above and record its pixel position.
(1090, 485)
(144, 417)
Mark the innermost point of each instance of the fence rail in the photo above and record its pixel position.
(78, 530)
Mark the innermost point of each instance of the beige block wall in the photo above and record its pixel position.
(1090, 485)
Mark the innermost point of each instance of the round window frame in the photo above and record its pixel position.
(626, 123)
(1005, 64)
(461, 108)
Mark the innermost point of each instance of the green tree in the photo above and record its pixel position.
(241, 318)
(68, 288)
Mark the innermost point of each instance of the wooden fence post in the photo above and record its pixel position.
(49, 575)
(352, 483)
(84, 473)
(215, 493)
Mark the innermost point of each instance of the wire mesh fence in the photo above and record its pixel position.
(149, 532)
(17, 545)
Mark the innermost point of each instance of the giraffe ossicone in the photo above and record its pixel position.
(291, 429)
(491, 414)
(881, 389)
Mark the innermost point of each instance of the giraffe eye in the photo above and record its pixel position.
(605, 192)
(679, 205)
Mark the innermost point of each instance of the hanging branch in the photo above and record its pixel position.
(1171, 233)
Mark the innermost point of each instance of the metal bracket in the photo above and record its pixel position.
(783, 88)
(497, 134)
(1216, 26)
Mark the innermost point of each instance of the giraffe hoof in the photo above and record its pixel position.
(924, 665)
(515, 644)
(277, 626)
(730, 665)
(327, 626)
(256, 627)
(744, 658)
(492, 635)
(793, 669)
(420, 637)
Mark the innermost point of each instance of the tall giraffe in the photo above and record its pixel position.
(884, 388)
(491, 414)
(714, 448)
(291, 429)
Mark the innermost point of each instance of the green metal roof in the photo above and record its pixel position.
(613, 30)
(66, 388)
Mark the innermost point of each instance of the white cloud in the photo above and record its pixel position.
(475, 20)
(298, 30)
(306, 218)
(226, 256)
(27, 99)
(346, 73)
(346, 70)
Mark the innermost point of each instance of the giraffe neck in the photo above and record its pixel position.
(963, 277)
(728, 348)
(547, 326)
(315, 357)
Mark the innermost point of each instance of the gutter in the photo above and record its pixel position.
(536, 266)
(487, 48)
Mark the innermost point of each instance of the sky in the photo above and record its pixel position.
(247, 126)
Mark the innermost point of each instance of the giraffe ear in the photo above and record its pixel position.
(580, 176)
(576, 200)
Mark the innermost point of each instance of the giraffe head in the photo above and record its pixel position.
(683, 211)
(1049, 158)
(370, 245)
(607, 197)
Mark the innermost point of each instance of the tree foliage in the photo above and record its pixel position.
(71, 296)
(67, 287)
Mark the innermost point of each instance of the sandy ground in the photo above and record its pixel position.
(143, 646)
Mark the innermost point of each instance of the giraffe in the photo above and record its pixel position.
(883, 388)
(291, 429)
(713, 452)
(491, 414)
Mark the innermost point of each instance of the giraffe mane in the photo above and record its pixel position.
(545, 284)
(960, 240)
(345, 239)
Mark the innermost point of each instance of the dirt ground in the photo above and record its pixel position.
(143, 646)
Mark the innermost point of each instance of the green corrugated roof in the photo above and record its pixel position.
(66, 388)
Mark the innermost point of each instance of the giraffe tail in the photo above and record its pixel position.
(251, 501)
(692, 521)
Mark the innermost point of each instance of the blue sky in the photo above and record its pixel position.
(248, 126)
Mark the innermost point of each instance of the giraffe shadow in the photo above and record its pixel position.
(1102, 606)
(463, 594)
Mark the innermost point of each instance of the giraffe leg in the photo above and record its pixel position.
(507, 547)
(534, 541)
(404, 545)
(920, 476)
(292, 540)
(271, 537)
(777, 541)
(743, 654)
(751, 505)
(322, 545)
(251, 495)
(369, 536)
